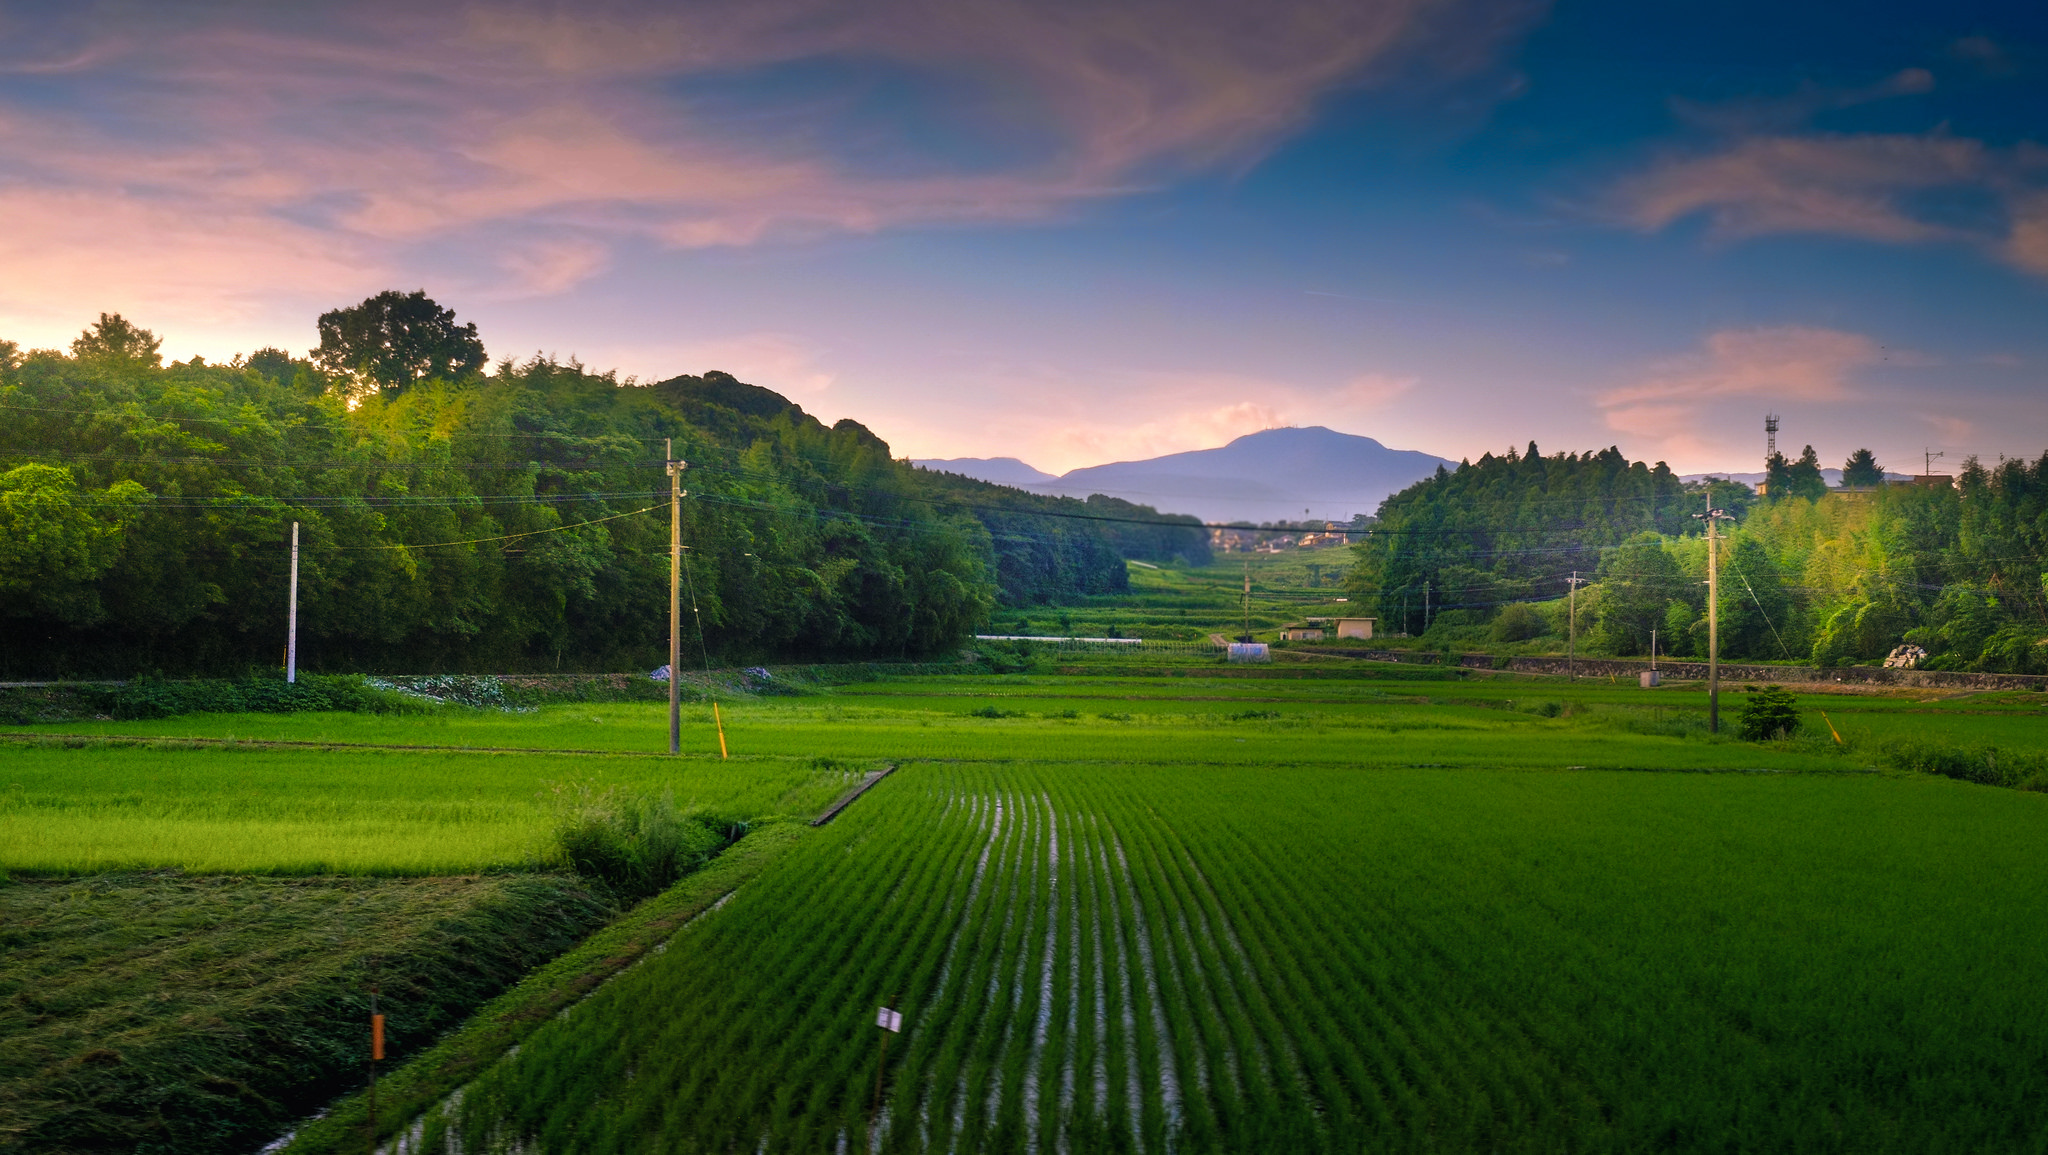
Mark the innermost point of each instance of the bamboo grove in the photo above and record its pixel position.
(1483, 553)
(505, 518)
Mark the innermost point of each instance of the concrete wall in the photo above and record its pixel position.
(1736, 672)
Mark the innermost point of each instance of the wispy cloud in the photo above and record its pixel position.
(1765, 171)
(342, 138)
(1667, 408)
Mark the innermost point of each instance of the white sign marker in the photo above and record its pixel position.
(889, 1020)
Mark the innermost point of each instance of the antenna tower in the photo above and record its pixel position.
(1770, 436)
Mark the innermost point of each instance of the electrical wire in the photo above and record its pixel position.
(502, 536)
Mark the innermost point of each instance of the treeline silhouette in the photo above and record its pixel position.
(505, 518)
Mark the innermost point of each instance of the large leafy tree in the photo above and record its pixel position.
(55, 541)
(1638, 581)
(114, 341)
(394, 340)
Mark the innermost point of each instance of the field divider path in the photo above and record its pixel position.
(859, 788)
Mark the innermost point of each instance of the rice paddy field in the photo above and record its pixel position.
(1186, 909)
(1109, 957)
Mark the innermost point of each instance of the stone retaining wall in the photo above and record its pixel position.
(1682, 671)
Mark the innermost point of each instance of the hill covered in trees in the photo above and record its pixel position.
(1807, 574)
(457, 516)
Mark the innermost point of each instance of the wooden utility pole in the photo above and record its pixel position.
(1713, 613)
(291, 629)
(675, 599)
(1571, 645)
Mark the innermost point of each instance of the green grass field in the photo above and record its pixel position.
(1341, 907)
(208, 809)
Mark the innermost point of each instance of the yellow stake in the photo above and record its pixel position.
(720, 723)
(1832, 730)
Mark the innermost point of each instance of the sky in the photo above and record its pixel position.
(1082, 231)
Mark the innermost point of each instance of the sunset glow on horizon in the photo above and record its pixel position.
(1098, 233)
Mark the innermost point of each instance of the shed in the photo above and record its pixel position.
(1360, 628)
(1301, 632)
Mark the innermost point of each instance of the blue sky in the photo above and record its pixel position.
(1082, 232)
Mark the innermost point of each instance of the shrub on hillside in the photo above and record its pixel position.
(1518, 623)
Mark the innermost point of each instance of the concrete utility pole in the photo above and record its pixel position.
(291, 629)
(1713, 613)
(1571, 644)
(675, 598)
(1247, 635)
(1425, 607)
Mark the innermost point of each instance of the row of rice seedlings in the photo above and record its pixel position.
(1294, 961)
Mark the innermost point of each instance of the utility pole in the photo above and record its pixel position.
(1247, 635)
(1713, 613)
(1571, 645)
(675, 598)
(1425, 607)
(1927, 461)
(291, 629)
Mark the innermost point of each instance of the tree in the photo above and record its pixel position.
(114, 341)
(53, 545)
(273, 363)
(1803, 478)
(1862, 469)
(395, 339)
(1637, 582)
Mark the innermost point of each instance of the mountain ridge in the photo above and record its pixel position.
(1284, 474)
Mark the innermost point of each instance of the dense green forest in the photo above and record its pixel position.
(1807, 574)
(459, 516)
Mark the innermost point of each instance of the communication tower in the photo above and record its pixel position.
(1770, 436)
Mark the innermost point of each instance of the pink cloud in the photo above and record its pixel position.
(1840, 184)
(283, 152)
(1858, 185)
(1668, 403)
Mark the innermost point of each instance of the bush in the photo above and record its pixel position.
(150, 697)
(636, 846)
(1985, 765)
(1770, 713)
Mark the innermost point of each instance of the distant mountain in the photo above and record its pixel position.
(1277, 475)
(999, 470)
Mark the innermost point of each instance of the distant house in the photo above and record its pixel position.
(1934, 480)
(1360, 628)
(1301, 632)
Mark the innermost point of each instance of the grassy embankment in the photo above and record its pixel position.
(162, 1012)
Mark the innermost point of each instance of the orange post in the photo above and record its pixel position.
(377, 1037)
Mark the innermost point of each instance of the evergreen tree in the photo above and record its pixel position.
(1862, 469)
